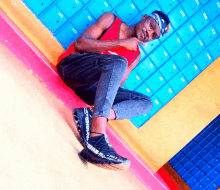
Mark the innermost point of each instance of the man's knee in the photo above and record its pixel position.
(120, 62)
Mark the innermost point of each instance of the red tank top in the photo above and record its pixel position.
(112, 33)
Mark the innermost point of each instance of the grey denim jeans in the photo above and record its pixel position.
(96, 78)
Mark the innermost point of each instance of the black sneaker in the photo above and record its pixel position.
(83, 121)
(100, 153)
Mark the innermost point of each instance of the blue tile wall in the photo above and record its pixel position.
(198, 163)
(167, 65)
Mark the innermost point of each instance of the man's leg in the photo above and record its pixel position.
(113, 69)
(127, 104)
(105, 72)
(130, 104)
(109, 82)
(98, 150)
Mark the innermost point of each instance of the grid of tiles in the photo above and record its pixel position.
(168, 64)
(198, 163)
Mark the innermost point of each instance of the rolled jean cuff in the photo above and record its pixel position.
(132, 108)
(101, 114)
(117, 113)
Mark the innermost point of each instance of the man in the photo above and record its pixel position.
(95, 67)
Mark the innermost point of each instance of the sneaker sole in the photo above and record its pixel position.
(77, 115)
(123, 166)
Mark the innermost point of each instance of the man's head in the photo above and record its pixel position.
(152, 26)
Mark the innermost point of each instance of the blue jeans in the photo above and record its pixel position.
(96, 78)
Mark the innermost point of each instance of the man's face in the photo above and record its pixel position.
(147, 29)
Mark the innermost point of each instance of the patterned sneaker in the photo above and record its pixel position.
(100, 153)
(83, 121)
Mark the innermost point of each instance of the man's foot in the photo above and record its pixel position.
(83, 121)
(100, 153)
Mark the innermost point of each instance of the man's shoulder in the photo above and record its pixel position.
(106, 19)
(108, 16)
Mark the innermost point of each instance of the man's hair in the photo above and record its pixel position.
(162, 14)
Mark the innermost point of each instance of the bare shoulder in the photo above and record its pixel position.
(105, 20)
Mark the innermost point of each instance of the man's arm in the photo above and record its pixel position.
(130, 68)
(88, 40)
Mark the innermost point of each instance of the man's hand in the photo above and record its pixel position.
(131, 43)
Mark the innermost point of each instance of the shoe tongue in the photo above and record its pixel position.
(94, 140)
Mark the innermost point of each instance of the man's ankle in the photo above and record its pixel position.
(98, 126)
(95, 134)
